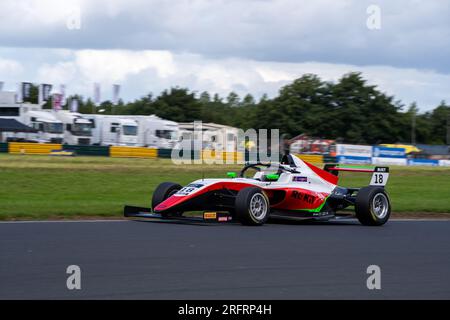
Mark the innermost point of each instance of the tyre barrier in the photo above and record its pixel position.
(88, 150)
(32, 148)
(165, 153)
(132, 152)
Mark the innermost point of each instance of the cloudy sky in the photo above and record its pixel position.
(248, 46)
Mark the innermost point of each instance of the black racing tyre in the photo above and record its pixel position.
(163, 191)
(252, 206)
(372, 206)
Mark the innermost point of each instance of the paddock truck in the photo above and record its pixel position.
(291, 189)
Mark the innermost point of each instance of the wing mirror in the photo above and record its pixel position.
(231, 174)
(272, 177)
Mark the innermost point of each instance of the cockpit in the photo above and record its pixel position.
(269, 171)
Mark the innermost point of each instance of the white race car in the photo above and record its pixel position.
(291, 189)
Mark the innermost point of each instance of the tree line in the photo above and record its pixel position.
(349, 110)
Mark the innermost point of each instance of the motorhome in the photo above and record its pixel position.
(108, 130)
(155, 132)
(77, 128)
(50, 129)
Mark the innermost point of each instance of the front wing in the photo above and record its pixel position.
(140, 213)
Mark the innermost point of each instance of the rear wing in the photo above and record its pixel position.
(380, 175)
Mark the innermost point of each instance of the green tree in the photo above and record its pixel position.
(299, 107)
(143, 106)
(248, 100)
(349, 110)
(363, 114)
(233, 99)
(438, 120)
(205, 97)
(178, 104)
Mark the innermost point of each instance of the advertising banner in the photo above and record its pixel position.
(386, 152)
(97, 97)
(24, 92)
(44, 93)
(353, 150)
(423, 162)
(116, 93)
(354, 154)
(57, 101)
(389, 161)
(444, 163)
(354, 160)
(74, 105)
(62, 90)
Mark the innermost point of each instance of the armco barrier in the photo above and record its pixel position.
(3, 147)
(311, 158)
(32, 148)
(132, 152)
(88, 150)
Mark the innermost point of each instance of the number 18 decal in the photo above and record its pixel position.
(380, 176)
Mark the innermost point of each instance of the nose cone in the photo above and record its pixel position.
(169, 203)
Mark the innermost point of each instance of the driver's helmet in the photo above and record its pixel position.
(260, 175)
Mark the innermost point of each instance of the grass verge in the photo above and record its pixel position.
(42, 187)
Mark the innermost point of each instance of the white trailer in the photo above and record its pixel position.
(50, 129)
(77, 128)
(213, 136)
(155, 132)
(108, 130)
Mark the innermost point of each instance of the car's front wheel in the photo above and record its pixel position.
(164, 191)
(252, 206)
(372, 206)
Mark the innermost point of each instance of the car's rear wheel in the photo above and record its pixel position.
(164, 191)
(252, 206)
(372, 206)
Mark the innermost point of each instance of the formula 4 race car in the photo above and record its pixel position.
(291, 189)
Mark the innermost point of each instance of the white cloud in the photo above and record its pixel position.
(59, 72)
(413, 32)
(30, 15)
(115, 65)
(141, 72)
(9, 67)
(251, 46)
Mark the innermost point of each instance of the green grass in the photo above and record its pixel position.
(40, 187)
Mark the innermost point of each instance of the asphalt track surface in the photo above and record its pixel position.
(143, 260)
